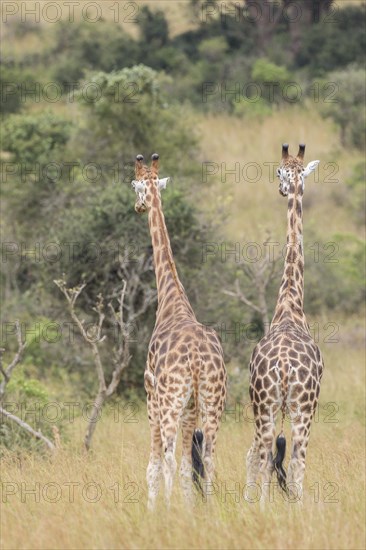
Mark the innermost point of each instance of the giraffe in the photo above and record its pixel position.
(286, 366)
(185, 375)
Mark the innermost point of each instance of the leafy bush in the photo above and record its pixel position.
(333, 43)
(34, 137)
(27, 398)
(271, 79)
(134, 115)
(12, 79)
(336, 280)
(154, 32)
(87, 46)
(213, 49)
(347, 108)
(36, 143)
(356, 197)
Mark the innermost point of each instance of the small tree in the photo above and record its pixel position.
(258, 276)
(123, 318)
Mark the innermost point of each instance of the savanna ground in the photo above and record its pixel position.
(77, 501)
(100, 499)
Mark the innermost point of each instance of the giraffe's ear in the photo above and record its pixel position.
(162, 183)
(310, 167)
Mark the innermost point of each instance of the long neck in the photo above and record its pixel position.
(290, 302)
(172, 298)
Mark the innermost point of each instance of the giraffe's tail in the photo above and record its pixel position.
(198, 469)
(278, 461)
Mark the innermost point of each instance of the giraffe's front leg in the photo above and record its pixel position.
(154, 468)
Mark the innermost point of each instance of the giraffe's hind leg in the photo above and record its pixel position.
(154, 468)
(212, 407)
(170, 417)
(189, 419)
(253, 461)
(266, 434)
(301, 416)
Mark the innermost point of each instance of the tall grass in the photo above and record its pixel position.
(107, 506)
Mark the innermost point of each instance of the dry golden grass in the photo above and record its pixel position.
(332, 515)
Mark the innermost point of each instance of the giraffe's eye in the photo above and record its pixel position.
(278, 172)
(139, 186)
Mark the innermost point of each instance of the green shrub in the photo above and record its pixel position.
(273, 80)
(252, 109)
(335, 281)
(35, 142)
(346, 108)
(334, 42)
(33, 138)
(12, 80)
(85, 46)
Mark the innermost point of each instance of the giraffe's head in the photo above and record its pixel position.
(292, 172)
(147, 183)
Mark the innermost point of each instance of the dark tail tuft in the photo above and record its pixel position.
(198, 470)
(278, 461)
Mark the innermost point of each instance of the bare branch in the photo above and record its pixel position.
(260, 274)
(122, 355)
(123, 316)
(28, 428)
(7, 375)
(239, 294)
(93, 340)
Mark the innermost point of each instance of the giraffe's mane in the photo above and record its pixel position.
(169, 252)
(292, 162)
(166, 245)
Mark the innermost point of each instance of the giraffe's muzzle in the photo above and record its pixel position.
(140, 207)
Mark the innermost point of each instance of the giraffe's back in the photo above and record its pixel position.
(188, 358)
(286, 365)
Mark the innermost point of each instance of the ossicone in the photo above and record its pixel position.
(155, 163)
(300, 154)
